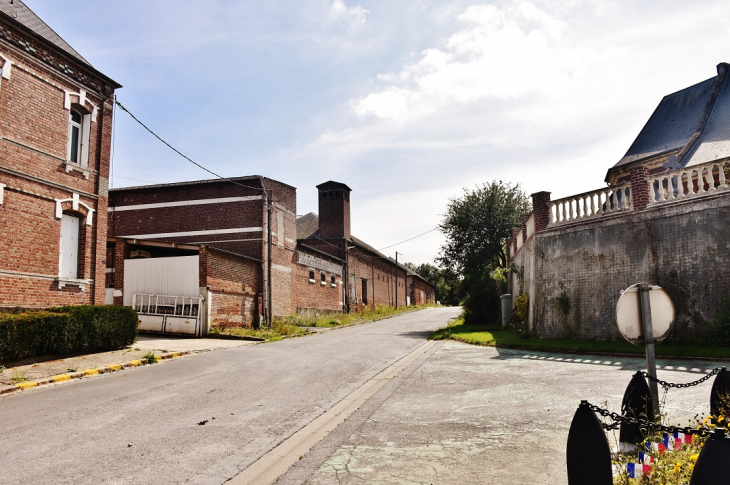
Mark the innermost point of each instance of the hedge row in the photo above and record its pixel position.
(61, 330)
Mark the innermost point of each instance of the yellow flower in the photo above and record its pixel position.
(720, 419)
(693, 458)
(677, 468)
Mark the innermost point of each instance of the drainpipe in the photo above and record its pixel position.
(372, 267)
(268, 260)
(396, 280)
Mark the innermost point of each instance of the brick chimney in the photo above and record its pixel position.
(334, 210)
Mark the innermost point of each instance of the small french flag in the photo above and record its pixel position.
(658, 447)
(682, 438)
(644, 458)
(636, 470)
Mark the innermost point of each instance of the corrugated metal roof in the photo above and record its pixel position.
(673, 123)
(19, 11)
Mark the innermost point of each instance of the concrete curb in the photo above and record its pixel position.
(21, 386)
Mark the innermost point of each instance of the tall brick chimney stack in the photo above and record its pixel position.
(334, 210)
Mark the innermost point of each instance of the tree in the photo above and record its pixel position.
(477, 226)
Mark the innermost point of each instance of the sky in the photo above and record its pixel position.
(409, 103)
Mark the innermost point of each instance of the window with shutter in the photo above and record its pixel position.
(69, 257)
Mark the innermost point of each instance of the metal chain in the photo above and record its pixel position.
(715, 371)
(643, 423)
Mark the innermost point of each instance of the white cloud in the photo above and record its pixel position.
(501, 53)
(354, 15)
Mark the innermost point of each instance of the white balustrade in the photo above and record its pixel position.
(597, 203)
(700, 180)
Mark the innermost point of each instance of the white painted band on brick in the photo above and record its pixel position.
(162, 235)
(182, 203)
(278, 267)
(2, 193)
(38, 276)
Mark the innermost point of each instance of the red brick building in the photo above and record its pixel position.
(55, 134)
(224, 215)
(309, 255)
(373, 278)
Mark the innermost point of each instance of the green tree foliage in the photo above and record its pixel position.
(477, 226)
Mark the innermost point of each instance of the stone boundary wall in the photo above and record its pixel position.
(683, 247)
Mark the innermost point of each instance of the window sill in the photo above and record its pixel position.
(312, 281)
(72, 282)
(71, 166)
(334, 286)
(323, 283)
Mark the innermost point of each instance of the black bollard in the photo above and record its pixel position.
(720, 394)
(588, 454)
(711, 466)
(636, 404)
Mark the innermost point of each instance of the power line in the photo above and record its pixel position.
(411, 239)
(179, 152)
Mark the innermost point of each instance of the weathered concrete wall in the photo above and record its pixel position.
(682, 247)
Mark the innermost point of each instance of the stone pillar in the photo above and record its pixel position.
(541, 209)
(639, 188)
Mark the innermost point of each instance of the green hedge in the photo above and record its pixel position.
(83, 328)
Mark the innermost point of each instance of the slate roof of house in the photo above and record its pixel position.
(695, 120)
(19, 12)
(307, 225)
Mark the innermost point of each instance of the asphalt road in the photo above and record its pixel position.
(199, 419)
(464, 415)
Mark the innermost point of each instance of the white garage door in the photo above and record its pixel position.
(176, 276)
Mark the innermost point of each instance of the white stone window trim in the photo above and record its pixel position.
(7, 67)
(75, 203)
(72, 282)
(2, 193)
(82, 101)
(82, 162)
(311, 273)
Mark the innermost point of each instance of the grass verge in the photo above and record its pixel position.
(481, 335)
(368, 314)
(293, 326)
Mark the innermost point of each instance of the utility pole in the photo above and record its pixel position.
(268, 260)
(396, 280)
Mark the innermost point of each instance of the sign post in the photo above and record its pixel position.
(645, 316)
(648, 331)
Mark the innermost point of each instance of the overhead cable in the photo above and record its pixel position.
(180, 153)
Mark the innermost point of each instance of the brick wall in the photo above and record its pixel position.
(232, 283)
(311, 297)
(422, 293)
(682, 247)
(239, 226)
(34, 131)
(380, 275)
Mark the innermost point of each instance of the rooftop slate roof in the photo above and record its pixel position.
(695, 120)
(19, 11)
(307, 225)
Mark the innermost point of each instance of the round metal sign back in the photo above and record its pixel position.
(628, 314)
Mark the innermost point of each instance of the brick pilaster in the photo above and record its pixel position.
(120, 249)
(515, 234)
(541, 209)
(639, 188)
(523, 220)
